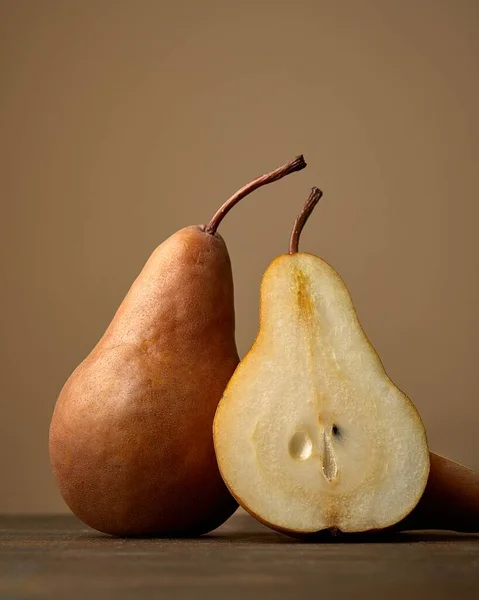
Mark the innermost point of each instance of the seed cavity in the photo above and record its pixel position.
(300, 446)
(335, 431)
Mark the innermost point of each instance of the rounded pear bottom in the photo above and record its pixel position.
(164, 526)
(150, 488)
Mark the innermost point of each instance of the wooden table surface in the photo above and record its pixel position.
(58, 557)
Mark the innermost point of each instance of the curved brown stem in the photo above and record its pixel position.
(296, 164)
(301, 219)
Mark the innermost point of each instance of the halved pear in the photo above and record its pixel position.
(311, 434)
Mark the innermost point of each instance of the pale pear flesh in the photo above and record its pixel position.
(311, 433)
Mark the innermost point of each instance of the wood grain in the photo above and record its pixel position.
(58, 557)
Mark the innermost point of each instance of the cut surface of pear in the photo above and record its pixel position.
(310, 433)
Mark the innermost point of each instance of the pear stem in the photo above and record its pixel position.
(296, 164)
(301, 219)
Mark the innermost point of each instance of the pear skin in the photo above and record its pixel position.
(131, 441)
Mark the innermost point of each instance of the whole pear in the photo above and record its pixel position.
(131, 442)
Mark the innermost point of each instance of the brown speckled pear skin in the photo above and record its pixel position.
(130, 441)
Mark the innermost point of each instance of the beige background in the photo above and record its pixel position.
(122, 121)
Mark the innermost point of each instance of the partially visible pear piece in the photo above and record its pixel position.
(311, 434)
(450, 501)
(131, 441)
